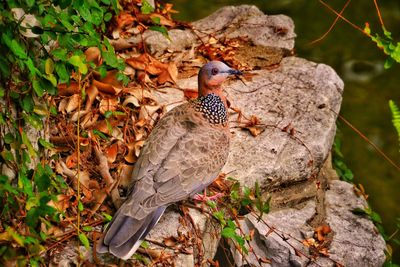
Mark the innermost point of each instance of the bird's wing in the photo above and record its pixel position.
(160, 142)
(191, 165)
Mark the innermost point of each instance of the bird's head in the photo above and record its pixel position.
(212, 75)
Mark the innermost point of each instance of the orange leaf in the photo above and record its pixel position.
(67, 90)
(72, 160)
(123, 19)
(190, 93)
(111, 152)
(169, 74)
(107, 88)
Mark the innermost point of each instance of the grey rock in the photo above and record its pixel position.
(300, 95)
(277, 234)
(249, 21)
(227, 22)
(356, 241)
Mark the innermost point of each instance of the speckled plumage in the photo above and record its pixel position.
(212, 108)
(182, 156)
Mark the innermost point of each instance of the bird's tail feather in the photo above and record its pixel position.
(125, 234)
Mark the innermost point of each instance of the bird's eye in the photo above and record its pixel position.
(214, 71)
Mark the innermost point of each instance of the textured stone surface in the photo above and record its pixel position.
(356, 241)
(299, 95)
(249, 21)
(269, 244)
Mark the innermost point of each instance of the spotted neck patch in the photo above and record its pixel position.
(212, 108)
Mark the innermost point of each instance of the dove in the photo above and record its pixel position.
(183, 154)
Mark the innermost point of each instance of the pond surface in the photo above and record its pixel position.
(368, 87)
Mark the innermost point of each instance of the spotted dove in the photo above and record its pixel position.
(182, 156)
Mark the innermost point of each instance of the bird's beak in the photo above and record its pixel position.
(234, 72)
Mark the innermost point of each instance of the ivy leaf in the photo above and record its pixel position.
(45, 143)
(9, 138)
(60, 53)
(42, 179)
(37, 87)
(146, 8)
(228, 232)
(14, 46)
(27, 103)
(61, 70)
(28, 144)
(49, 66)
(76, 61)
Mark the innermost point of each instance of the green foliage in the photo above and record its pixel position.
(241, 199)
(387, 44)
(395, 117)
(37, 58)
(338, 163)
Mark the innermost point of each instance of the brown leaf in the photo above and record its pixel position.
(107, 88)
(73, 103)
(111, 152)
(72, 160)
(163, 20)
(67, 90)
(124, 19)
(169, 74)
(91, 93)
(170, 241)
(254, 130)
(109, 104)
(125, 171)
(93, 54)
(103, 127)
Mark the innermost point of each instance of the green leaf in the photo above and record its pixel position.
(146, 8)
(80, 206)
(61, 70)
(84, 240)
(7, 155)
(87, 228)
(37, 87)
(30, 3)
(156, 20)
(161, 29)
(45, 143)
(49, 66)
(108, 114)
(9, 138)
(27, 143)
(41, 178)
(100, 134)
(27, 103)
(228, 232)
(60, 53)
(76, 61)
(106, 216)
(107, 17)
(144, 244)
(14, 46)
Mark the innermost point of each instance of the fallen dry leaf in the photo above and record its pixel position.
(111, 152)
(109, 104)
(93, 54)
(190, 94)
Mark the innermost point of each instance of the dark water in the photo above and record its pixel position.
(367, 86)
